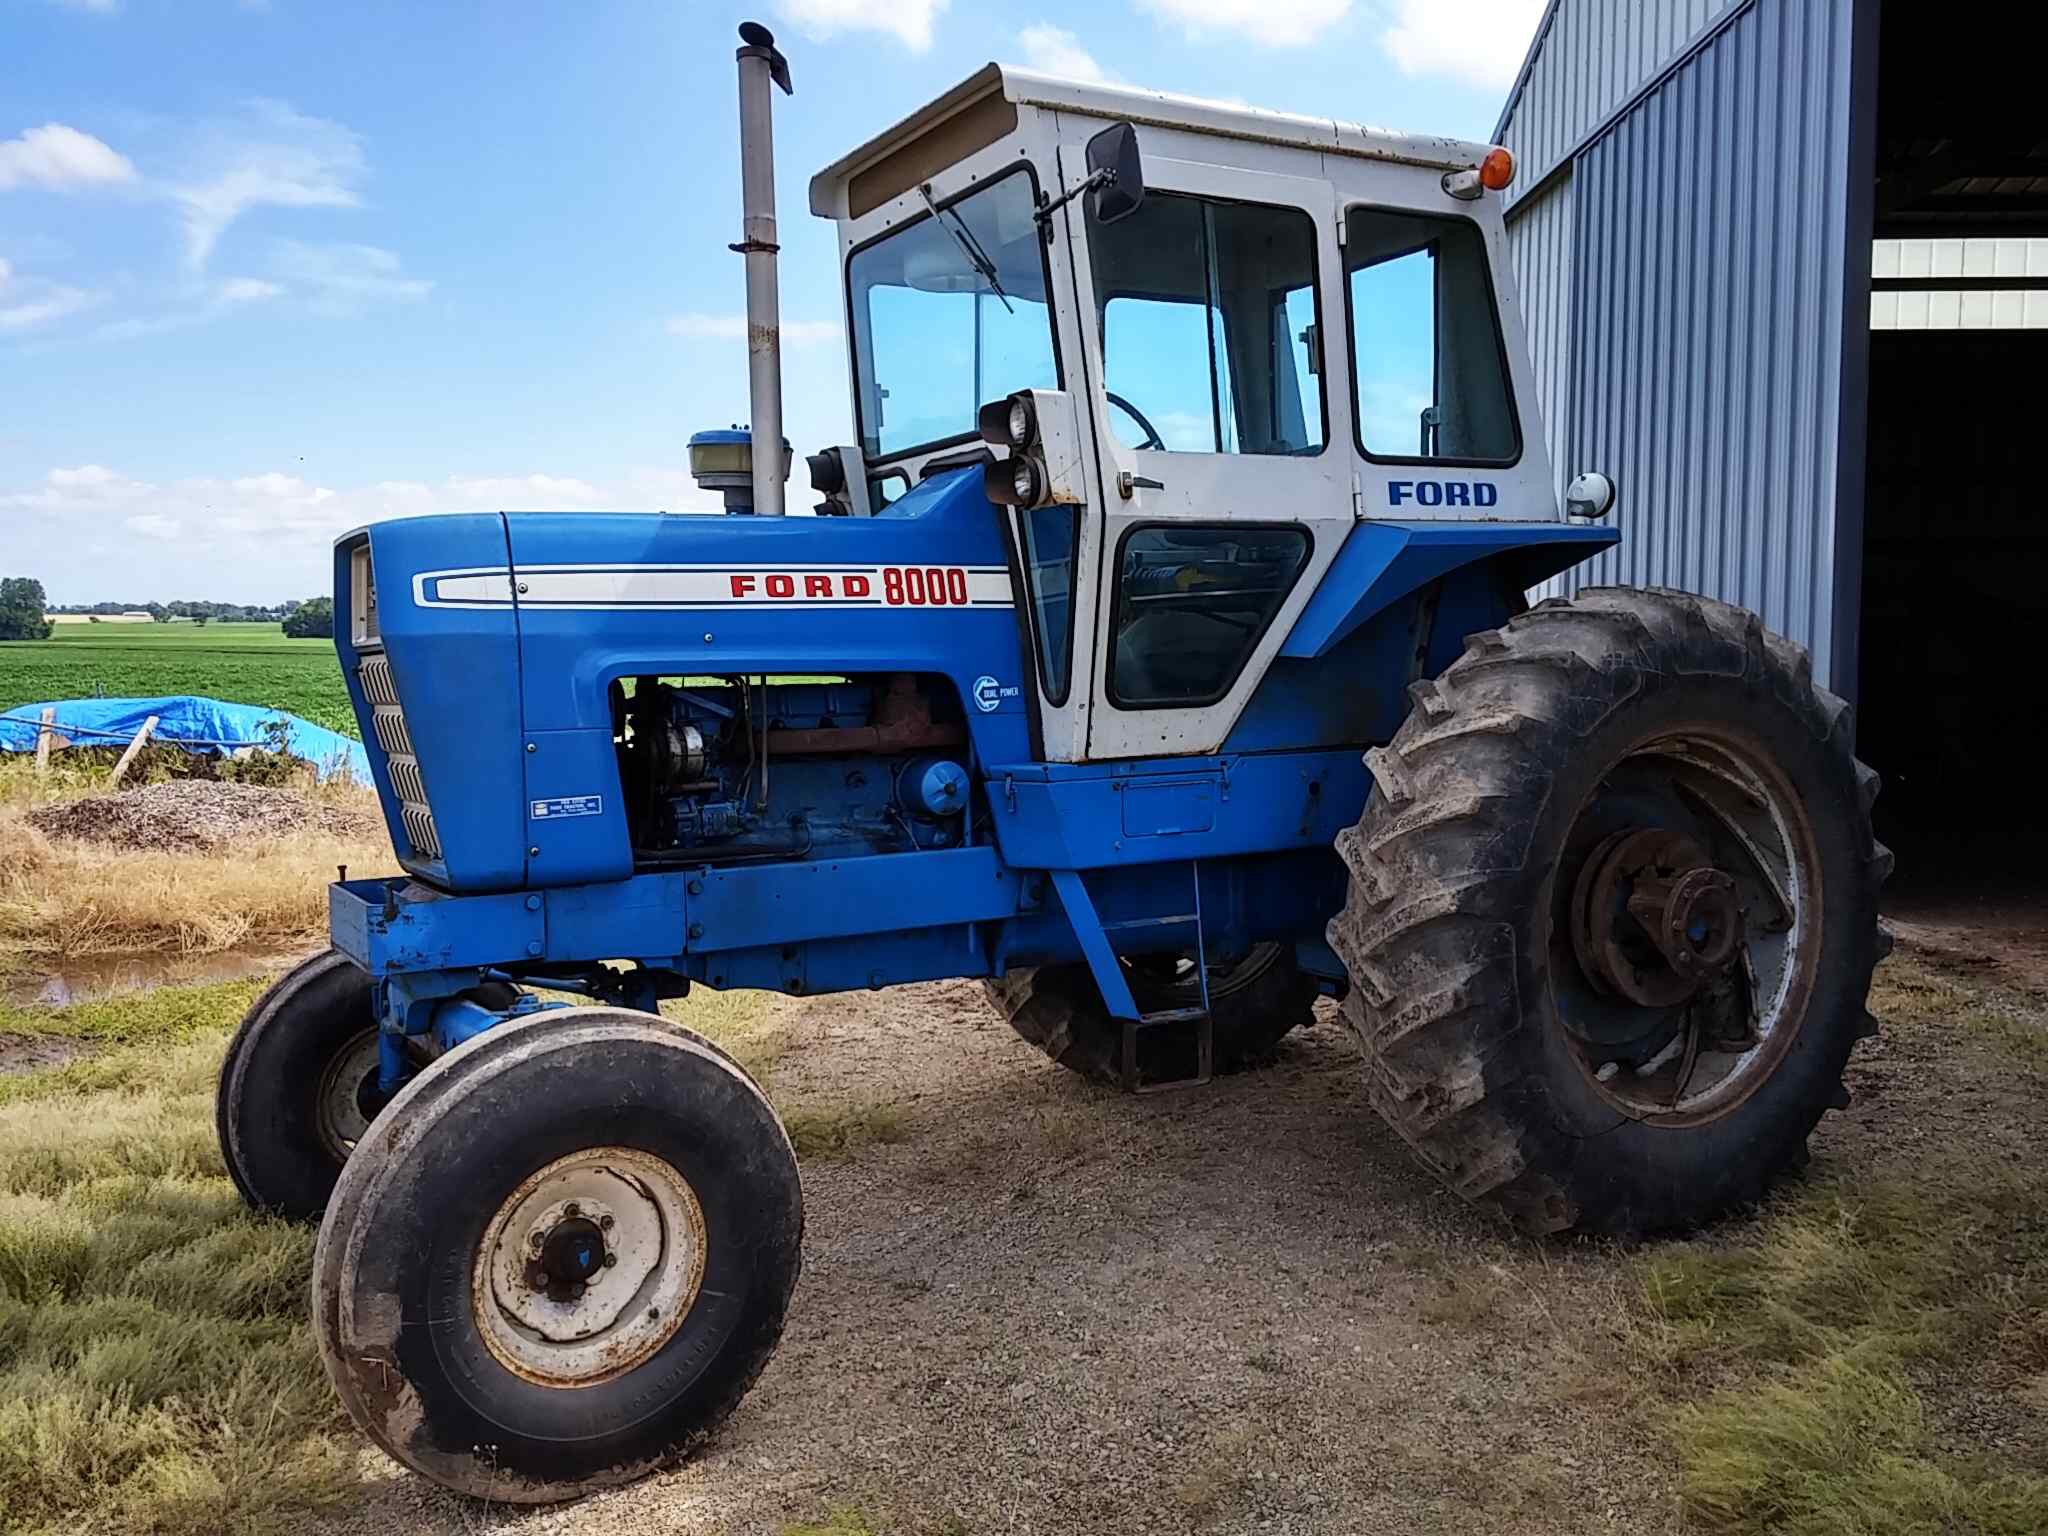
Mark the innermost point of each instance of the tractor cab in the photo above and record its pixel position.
(1232, 334)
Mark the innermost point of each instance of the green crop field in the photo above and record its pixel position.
(242, 663)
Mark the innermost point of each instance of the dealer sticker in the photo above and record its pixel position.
(568, 805)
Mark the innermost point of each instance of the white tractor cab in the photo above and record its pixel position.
(1229, 315)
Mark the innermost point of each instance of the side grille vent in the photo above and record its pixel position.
(387, 724)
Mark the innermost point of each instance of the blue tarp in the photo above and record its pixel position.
(184, 720)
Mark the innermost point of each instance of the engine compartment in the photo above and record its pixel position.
(726, 769)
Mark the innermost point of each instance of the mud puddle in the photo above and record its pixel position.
(90, 979)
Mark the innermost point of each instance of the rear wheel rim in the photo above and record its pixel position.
(589, 1267)
(1712, 799)
(1172, 977)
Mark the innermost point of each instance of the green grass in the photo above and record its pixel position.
(1808, 1372)
(156, 1374)
(242, 663)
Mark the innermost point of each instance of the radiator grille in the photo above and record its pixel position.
(419, 830)
(377, 685)
(387, 724)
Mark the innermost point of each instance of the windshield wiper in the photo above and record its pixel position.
(969, 246)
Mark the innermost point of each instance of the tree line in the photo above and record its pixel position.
(25, 612)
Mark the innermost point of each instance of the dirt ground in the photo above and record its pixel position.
(1996, 925)
(1050, 1308)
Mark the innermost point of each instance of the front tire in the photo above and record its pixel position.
(290, 1103)
(1536, 1030)
(560, 1258)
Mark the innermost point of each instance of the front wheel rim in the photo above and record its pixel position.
(1715, 801)
(589, 1267)
(340, 1116)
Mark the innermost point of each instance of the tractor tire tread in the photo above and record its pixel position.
(1425, 931)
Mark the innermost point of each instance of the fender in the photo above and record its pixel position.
(1382, 562)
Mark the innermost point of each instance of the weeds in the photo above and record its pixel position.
(1792, 1365)
(838, 1130)
(62, 901)
(155, 1371)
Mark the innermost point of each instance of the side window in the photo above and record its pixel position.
(1191, 605)
(1050, 534)
(1429, 375)
(1209, 327)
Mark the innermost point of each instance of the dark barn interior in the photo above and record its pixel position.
(1955, 552)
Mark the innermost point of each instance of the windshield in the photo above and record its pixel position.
(948, 314)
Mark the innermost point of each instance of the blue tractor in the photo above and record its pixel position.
(1160, 654)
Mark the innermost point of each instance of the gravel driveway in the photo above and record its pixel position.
(1050, 1308)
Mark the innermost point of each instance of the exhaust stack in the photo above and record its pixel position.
(760, 64)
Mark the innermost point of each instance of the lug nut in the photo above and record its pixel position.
(572, 1209)
(610, 1259)
(605, 1222)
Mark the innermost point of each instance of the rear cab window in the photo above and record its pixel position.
(1429, 372)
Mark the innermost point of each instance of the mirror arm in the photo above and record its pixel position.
(1104, 177)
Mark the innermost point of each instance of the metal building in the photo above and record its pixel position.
(1785, 268)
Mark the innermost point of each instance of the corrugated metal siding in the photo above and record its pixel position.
(1596, 55)
(1706, 375)
(1540, 243)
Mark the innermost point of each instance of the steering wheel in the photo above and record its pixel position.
(1152, 437)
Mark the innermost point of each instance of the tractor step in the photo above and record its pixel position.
(1205, 1043)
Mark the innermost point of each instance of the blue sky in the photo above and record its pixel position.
(268, 271)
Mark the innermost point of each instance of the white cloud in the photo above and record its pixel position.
(1056, 51)
(94, 479)
(733, 327)
(58, 157)
(508, 493)
(245, 290)
(271, 157)
(910, 21)
(1270, 23)
(1481, 42)
(266, 534)
(346, 279)
(56, 304)
(26, 302)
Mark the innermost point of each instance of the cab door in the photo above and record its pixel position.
(1221, 430)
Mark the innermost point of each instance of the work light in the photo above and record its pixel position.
(1009, 423)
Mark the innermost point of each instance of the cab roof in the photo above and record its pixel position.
(1001, 83)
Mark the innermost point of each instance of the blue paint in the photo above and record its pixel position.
(912, 834)
(1381, 563)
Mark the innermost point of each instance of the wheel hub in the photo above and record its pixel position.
(589, 1266)
(1653, 920)
(572, 1254)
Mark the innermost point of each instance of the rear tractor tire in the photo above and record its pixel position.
(561, 1257)
(1254, 1002)
(1613, 914)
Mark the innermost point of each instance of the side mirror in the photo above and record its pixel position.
(1113, 157)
